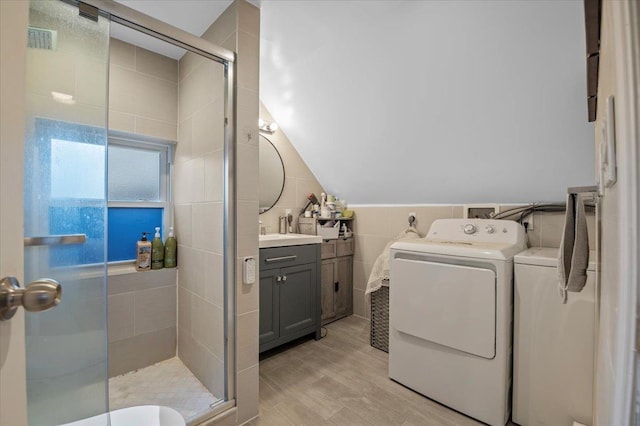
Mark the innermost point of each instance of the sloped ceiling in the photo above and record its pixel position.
(423, 101)
(411, 102)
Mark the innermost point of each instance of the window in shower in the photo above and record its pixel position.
(139, 182)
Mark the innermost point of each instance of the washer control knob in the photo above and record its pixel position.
(490, 229)
(470, 229)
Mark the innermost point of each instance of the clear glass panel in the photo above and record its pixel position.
(134, 174)
(172, 95)
(201, 93)
(64, 185)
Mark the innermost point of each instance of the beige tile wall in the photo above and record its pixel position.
(143, 91)
(299, 180)
(143, 99)
(238, 29)
(375, 226)
(71, 69)
(142, 319)
(198, 218)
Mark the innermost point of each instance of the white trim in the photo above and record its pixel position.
(626, 34)
(629, 221)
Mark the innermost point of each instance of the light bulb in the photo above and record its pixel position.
(273, 127)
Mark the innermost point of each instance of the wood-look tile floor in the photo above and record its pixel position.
(341, 380)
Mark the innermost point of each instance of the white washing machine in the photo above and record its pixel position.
(451, 312)
(553, 343)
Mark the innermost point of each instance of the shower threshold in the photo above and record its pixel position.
(169, 383)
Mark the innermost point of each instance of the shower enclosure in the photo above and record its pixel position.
(117, 328)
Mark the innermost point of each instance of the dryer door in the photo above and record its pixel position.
(451, 305)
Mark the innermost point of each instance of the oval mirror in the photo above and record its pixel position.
(271, 175)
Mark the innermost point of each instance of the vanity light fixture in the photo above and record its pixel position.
(263, 126)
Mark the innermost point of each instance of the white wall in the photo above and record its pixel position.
(431, 101)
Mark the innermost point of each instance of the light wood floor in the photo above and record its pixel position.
(341, 380)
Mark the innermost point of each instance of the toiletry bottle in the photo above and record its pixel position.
(143, 253)
(283, 225)
(170, 250)
(157, 251)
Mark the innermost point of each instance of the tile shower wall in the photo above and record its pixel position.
(143, 99)
(143, 91)
(142, 319)
(238, 29)
(198, 209)
(375, 226)
(298, 183)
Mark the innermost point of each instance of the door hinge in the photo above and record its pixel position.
(88, 11)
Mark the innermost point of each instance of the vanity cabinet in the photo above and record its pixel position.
(337, 279)
(289, 294)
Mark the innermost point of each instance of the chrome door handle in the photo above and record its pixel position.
(40, 295)
(55, 240)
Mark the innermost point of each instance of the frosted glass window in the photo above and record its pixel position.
(77, 170)
(134, 174)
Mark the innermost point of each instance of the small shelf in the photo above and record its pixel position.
(311, 226)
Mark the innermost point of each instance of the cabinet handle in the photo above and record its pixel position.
(280, 259)
(284, 278)
(278, 278)
(336, 286)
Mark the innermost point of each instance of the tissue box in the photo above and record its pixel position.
(328, 233)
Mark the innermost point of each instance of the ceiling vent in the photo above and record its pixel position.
(41, 38)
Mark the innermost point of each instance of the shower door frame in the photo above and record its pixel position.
(138, 21)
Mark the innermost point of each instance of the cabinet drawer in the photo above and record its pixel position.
(345, 247)
(277, 257)
(328, 249)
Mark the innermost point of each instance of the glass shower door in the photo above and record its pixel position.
(64, 188)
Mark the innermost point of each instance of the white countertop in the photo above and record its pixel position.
(282, 240)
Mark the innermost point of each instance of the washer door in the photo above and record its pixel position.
(451, 305)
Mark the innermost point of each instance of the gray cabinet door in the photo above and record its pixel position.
(328, 279)
(343, 290)
(269, 305)
(298, 298)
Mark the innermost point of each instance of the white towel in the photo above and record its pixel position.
(380, 270)
(573, 257)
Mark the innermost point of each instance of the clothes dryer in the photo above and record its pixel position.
(451, 314)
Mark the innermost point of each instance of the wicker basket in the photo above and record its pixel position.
(380, 319)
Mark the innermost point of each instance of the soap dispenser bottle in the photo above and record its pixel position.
(143, 253)
(157, 251)
(170, 250)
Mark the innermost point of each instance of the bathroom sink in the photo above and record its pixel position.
(281, 240)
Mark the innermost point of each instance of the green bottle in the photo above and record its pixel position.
(170, 250)
(157, 251)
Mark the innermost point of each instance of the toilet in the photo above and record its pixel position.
(553, 343)
(147, 415)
